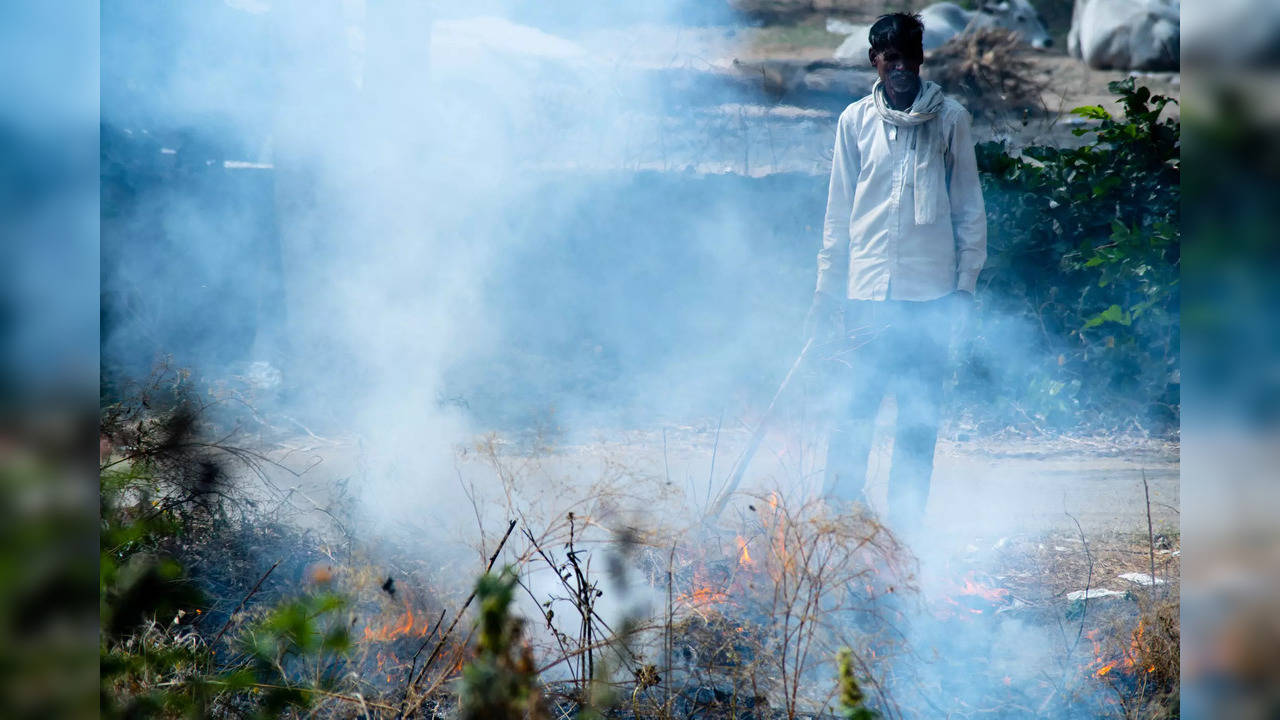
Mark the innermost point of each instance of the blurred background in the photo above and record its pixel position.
(52, 311)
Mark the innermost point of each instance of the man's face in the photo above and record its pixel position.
(899, 73)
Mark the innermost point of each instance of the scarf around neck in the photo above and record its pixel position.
(926, 157)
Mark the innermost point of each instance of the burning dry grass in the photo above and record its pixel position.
(753, 612)
(759, 611)
(1140, 663)
(1114, 652)
(737, 620)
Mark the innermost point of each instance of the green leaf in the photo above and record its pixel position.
(239, 680)
(1105, 185)
(1112, 314)
(1094, 112)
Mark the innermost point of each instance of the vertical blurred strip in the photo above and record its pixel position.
(48, 357)
(1231, 327)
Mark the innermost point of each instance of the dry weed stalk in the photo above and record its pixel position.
(764, 616)
(834, 574)
(563, 524)
(1142, 664)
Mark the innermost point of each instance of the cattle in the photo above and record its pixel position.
(1232, 34)
(944, 20)
(1126, 34)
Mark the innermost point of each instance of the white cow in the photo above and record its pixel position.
(944, 20)
(1126, 34)
(1253, 29)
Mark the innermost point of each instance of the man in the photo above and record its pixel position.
(904, 239)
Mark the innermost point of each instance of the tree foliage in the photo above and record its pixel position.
(1084, 259)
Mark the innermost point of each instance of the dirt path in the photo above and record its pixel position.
(981, 490)
(1068, 83)
(1025, 490)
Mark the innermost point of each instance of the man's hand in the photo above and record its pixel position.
(820, 323)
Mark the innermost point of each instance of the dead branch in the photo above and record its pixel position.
(411, 707)
(253, 591)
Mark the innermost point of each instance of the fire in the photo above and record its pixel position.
(780, 528)
(405, 625)
(991, 595)
(744, 557)
(703, 594)
(972, 597)
(1129, 657)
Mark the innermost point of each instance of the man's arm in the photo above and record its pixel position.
(833, 258)
(968, 212)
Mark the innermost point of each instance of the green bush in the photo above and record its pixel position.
(851, 696)
(1084, 261)
(156, 659)
(500, 682)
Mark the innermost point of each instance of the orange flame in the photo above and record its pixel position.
(993, 595)
(703, 594)
(406, 624)
(950, 607)
(1128, 660)
(744, 557)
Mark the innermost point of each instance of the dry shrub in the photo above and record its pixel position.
(767, 611)
(1139, 659)
(988, 71)
(834, 579)
(724, 651)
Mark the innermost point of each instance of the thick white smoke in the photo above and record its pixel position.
(419, 222)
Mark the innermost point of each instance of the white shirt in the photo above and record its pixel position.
(871, 247)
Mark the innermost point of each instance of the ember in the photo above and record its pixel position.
(703, 594)
(991, 595)
(972, 597)
(406, 624)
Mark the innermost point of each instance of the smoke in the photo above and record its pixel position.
(424, 222)
(416, 223)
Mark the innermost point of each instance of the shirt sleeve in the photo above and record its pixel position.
(833, 258)
(968, 212)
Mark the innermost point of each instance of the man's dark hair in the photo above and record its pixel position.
(901, 31)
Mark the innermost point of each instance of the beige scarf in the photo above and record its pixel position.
(927, 156)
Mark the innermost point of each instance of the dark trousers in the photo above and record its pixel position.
(901, 348)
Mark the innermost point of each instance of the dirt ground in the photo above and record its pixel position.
(1068, 82)
(983, 490)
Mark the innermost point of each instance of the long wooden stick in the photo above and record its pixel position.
(410, 708)
(1151, 535)
(740, 468)
(252, 592)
